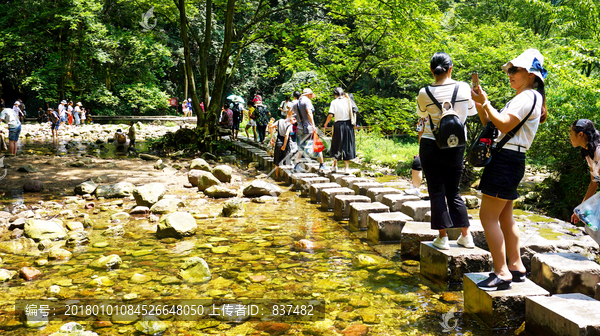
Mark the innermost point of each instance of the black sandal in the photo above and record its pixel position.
(493, 283)
(517, 276)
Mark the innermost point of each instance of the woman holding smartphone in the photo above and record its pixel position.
(502, 175)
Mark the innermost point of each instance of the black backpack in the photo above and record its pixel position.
(450, 131)
(237, 112)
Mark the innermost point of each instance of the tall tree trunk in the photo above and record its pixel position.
(221, 75)
(188, 58)
(204, 55)
(186, 81)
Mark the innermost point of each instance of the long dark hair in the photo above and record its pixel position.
(586, 126)
(440, 63)
(538, 84)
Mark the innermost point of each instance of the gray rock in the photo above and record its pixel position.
(220, 192)
(73, 329)
(177, 225)
(195, 270)
(139, 210)
(59, 254)
(159, 165)
(234, 208)
(6, 275)
(199, 164)
(223, 173)
(209, 156)
(19, 223)
(166, 205)
(149, 157)
(41, 229)
(261, 188)
(27, 169)
(106, 262)
(33, 186)
(120, 189)
(77, 238)
(147, 195)
(150, 325)
(202, 179)
(472, 202)
(114, 231)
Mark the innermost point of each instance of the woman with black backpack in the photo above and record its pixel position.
(518, 122)
(443, 166)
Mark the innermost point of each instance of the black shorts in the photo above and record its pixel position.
(501, 177)
(416, 165)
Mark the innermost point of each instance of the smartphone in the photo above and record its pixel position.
(475, 79)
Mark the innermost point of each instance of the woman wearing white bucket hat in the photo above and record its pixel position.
(503, 174)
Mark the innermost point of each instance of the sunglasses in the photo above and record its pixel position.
(513, 70)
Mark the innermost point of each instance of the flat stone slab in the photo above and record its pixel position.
(345, 180)
(531, 244)
(334, 177)
(449, 265)
(562, 315)
(386, 228)
(565, 273)
(296, 177)
(305, 183)
(328, 196)
(341, 205)
(414, 233)
(317, 188)
(498, 309)
(361, 188)
(359, 214)
(376, 194)
(395, 201)
(416, 209)
(367, 180)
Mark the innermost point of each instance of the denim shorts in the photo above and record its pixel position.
(501, 177)
(13, 133)
(55, 125)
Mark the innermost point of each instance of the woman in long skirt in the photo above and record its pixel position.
(343, 144)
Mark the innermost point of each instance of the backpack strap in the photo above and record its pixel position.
(514, 131)
(437, 103)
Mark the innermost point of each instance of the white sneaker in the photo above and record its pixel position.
(441, 243)
(413, 191)
(466, 241)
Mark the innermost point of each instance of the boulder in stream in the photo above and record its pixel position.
(176, 225)
(234, 208)
(261, 188)
(37, 230)
(195, 270)
(223, 173)
(148, 194)
(120, 189)
(199, 164)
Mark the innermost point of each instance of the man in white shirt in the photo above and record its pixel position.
(62, 111)
(285, 107)
(11, 117)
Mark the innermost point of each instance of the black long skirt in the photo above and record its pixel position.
(343, 144)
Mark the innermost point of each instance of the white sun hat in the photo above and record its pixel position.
(78, 104)
(63, 102)
(530, 60)
(17, 103)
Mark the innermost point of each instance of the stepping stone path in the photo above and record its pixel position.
(398, 223)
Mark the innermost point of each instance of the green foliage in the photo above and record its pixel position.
(373, 148)
(388, 115)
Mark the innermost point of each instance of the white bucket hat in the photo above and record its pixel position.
(530, 60)
(63, 102)
(78, 104)
(307, 92)
(17, 103)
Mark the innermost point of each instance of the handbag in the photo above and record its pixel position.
(318, 146)
(479, 152)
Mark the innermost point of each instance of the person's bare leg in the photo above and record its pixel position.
(511, 237)
(13, 147)
(443, 233)
(417, 178)
(255, 134)
(347, 163)
(247, 134)
(489, 214)
(334, 164)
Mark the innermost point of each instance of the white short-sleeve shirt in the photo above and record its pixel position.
(340, 108)
(520, 106)
(594, 164)
(464, 105)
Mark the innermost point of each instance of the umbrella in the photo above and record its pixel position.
(236, 99)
